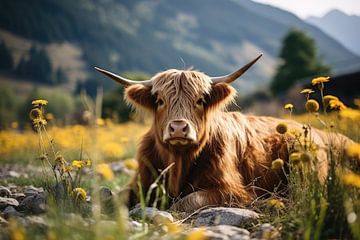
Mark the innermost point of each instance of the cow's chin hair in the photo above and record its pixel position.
(180, 143)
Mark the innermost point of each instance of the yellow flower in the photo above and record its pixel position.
(350, 114)
(277, 164)
(294, 157)
(307, 91)
(35, 113)
(312, 105)
(79, 194)
(78, 163)
(197, 234)
(100, 122)
(173, 228)
(289, 106)
(131, 164)
(353, 150)
(276, 203)
(39, 102)
(104, 170)
(281, 128)
(14, 125)
(49, 116)
(337, 104)
(320, 80)
(39, 122)
(351, 179)
(328, 98)
(357, 102)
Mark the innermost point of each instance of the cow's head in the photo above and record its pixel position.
(181, 101)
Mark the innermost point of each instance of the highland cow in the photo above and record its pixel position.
(219, 158)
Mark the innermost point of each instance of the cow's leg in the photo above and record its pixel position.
(200, 199)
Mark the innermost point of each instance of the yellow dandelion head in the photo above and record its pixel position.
(281, 128)
(277, 164)
(49, 116)
(77, 163)
(173, 228)
(39, 122)
(79, 194)
(276, 203)
(289, 106)
(14, 125)
(100, 122)
(306, 91)
(105, 171)
(320, 80)
(294, 158)
(312, 105)
(39, 102)
(328, 98)
(350, 113)
(60, 159)
(197, 234)
(35, 113)
(351, 179)
(337, 105)
(306, 157)
(353, 150)
(131, 163)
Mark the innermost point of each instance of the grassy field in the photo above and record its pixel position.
(77, 159)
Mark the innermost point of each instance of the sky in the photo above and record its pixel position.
(306, 8)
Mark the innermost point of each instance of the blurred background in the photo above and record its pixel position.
(48, 49)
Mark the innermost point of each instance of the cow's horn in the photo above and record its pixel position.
(123, 81)
(235, 75)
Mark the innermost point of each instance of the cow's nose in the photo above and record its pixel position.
(178, 128)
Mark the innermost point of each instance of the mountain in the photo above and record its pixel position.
(342, 27)
(152, 35)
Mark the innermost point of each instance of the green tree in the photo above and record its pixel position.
(6, 60)
(300, 60)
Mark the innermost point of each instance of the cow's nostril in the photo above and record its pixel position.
(185, 129)
(171, 129)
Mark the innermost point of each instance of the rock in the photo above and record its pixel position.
(152, 214)
(227, 232)
(266, 231)
(3, 222)
(135, 226)
(13, 174)
(10, 211)
(33, 204)
(31, 190)
(18, 196)
(106, 201)
(4, 192)
(4, 202)
(36, 221)
(225, 216)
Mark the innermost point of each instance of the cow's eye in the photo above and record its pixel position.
(160, 102)
(200, 102)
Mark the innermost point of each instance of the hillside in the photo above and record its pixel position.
(150, 36)
(340, 26)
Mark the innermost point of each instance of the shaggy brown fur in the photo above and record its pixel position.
(229, 163)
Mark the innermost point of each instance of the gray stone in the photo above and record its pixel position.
(18, 196)
(135, 226)
(152, 214)
(227, 232)
(13, 174)
(4, 202)
(225, 216)
(35, 221)
(3, 222)
(31, 190)
(33, 204)
(10, 211)
(4, 191)
(266, 231)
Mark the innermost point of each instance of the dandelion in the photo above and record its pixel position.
(289, 106)
(312, 105)
(131, 164)
(349, 113)
(276, 203)
(39, 102)
(39, 122)
(35, 113)
(294, 158)
(353, 150)
(351, 179)
(277, 164)
(173, 228)
(320, 80)
(100, 122)
(79, 194)
(49, 116)
(337, 105)
(197, 234)
(78, 163)
(14, 125)
(306, 91)
(281, 128)
(328, 98)
(104, 170)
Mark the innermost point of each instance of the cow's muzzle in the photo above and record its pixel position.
(179, 132)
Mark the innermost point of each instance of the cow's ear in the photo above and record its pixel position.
(140, 96)
(220, 95)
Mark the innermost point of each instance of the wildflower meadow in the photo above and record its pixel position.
(84, 172)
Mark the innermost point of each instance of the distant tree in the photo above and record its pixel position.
(299, 61)
(6, 59)
(37, 68)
